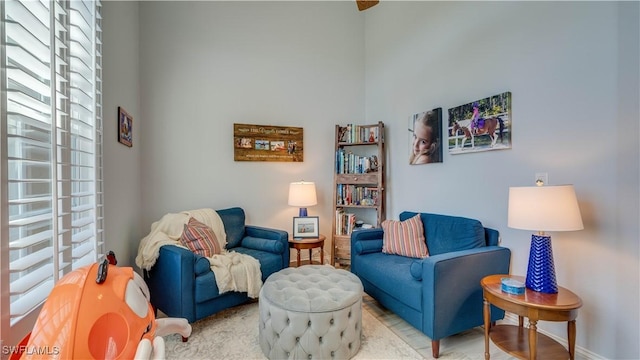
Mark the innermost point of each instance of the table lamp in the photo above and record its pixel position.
(543, 208)
(302, 194)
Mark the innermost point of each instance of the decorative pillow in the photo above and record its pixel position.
(404, 238)
(200, 238)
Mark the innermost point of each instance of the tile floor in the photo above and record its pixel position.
(468, 345)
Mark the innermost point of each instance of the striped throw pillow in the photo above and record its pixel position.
(404, 238)
(200, 238)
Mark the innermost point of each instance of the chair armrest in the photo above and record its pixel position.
(280, 236)
(451, 284)
(364, 242)
(366, 234)
(492, 236)
(171, 282)
(268, 245)
(266, 233)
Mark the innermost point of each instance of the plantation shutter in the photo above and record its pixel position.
(85, 146)
(52, 201)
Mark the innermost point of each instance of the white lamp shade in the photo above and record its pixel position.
(544, 208)
(302, 194)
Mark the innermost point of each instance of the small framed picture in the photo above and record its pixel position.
(125, 127)
(305, 227)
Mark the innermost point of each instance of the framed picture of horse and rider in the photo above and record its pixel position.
(481, 125)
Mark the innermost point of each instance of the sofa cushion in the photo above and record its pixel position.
(269, 262)
(404, 238)
(392, 274)
(233, 220)
(200, 238)
(446, 233)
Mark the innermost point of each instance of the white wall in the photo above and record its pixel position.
(208, 65)
(572, 69)
(122, 181)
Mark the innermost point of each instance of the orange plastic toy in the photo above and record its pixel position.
(99, 311)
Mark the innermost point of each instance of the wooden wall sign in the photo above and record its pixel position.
(267, 143)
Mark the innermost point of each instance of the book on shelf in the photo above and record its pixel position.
(350, 163)
(347, 194)
(358, 133)
(371, 134)
(345, 222)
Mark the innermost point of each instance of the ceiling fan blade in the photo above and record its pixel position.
(365, 4)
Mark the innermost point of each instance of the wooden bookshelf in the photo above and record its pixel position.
(358, 184)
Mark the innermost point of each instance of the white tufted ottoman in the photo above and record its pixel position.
(311, 312)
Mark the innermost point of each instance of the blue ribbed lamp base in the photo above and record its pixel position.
(303, 212)
(541, 273)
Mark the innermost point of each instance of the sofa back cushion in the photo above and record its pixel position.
(233, 220)
(446, 233)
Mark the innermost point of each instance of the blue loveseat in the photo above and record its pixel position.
(439, 295)
(182, 284)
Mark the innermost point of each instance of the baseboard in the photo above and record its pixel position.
(581, 353)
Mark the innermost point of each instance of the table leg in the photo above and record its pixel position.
(487, 316)
(533, 339)
(298, 257)
(520, 321)
(310, 258)
(571, 338)
(321, 256)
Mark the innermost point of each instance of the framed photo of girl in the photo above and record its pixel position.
(125, 127)
(425, 137)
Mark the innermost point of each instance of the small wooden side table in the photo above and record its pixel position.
(536, 306)
(308, 243)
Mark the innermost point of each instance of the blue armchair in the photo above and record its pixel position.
(182, 284)
(439, 295)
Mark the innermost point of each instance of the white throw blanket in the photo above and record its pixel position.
(233, 271)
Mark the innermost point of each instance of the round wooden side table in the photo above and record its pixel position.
(308, 243)
(535, 306)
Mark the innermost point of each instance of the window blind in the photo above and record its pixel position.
(51, 136)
